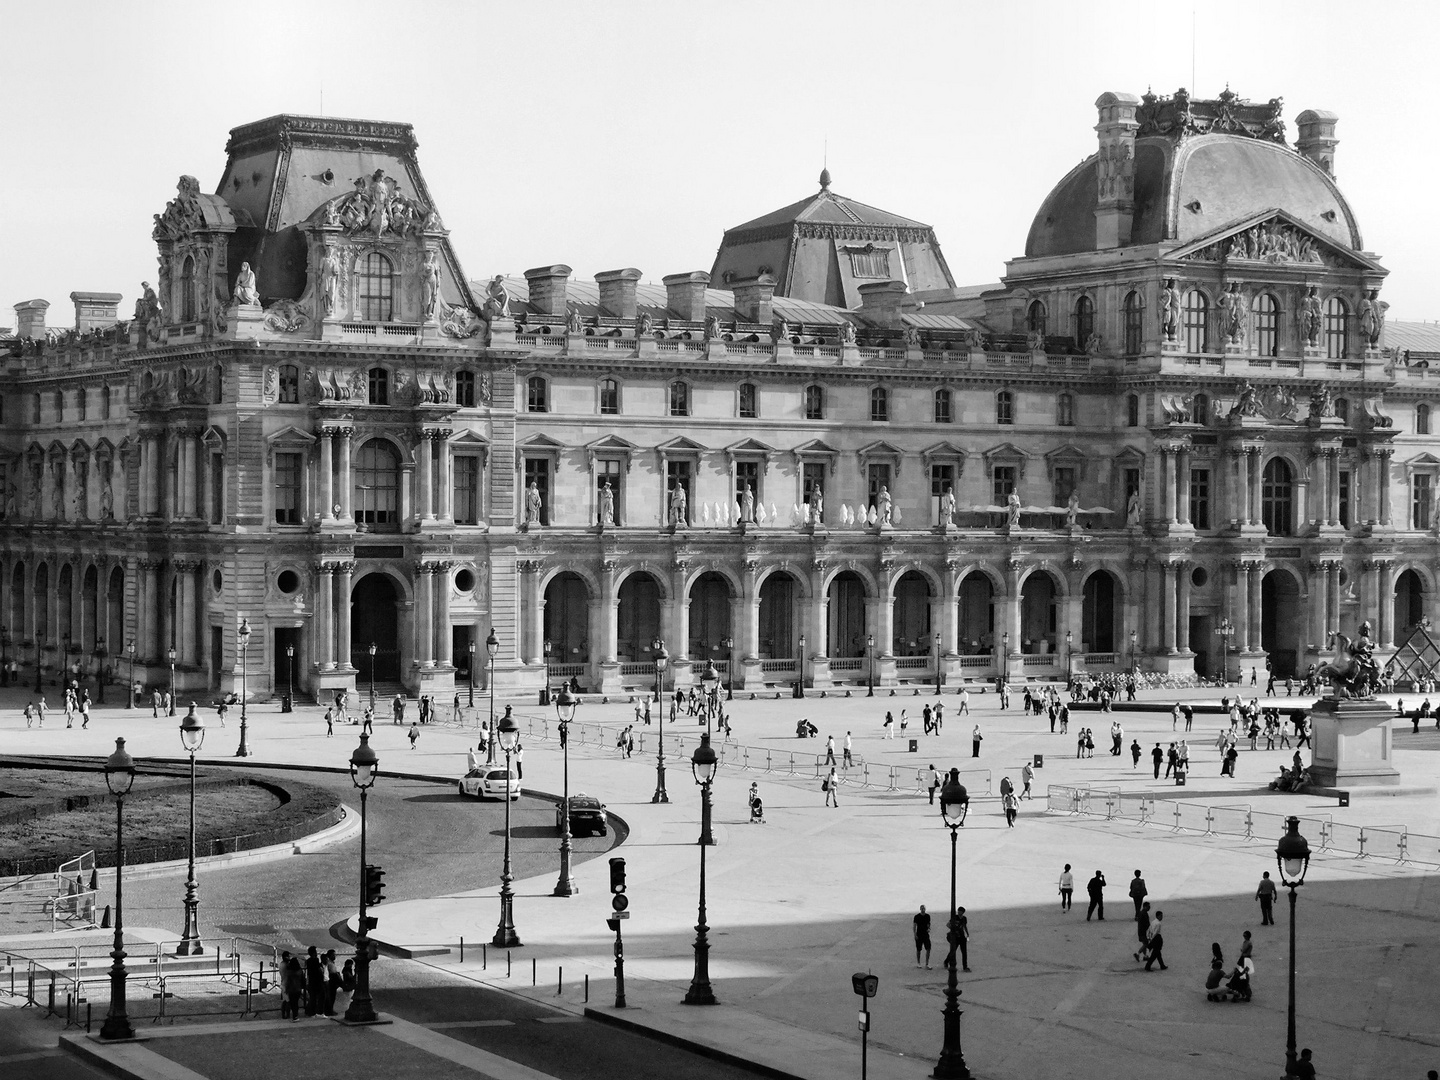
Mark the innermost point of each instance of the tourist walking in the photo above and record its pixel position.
(329, 722)
(959, 939)
(1027, 776)
(964, 701)
(519, 756)
(1266, 895)
(922, 935)
(1142, 928)
(1158, 757)
(1067, 887)
(1096, 888)
(830, 785)
(1011, 806)
(934, 779)
(830, 750)
(1138, 891)
(1135, 753)
(848, 757)
(414, 734)
(975, 738)
(1155, 950)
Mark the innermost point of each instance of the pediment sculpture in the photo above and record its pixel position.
(378, 207)
(461, 322)
(1268, 242)
(182, 215)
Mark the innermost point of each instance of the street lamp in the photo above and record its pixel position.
(662, 658)
(372, 650)
(364, 766)
(549, 647)
(171, 655)
(492, 647)
(954, 804)
(243, 637)
(130, 694)
(703, 763)
(869, 665)
(1292, 855)
(1224, 632)
(1069, 646)
(565, 705)
(800, 671)
(192, 734)
(99, 671)
(119, 775)
(1005, 656)
(471, 648)
(729, 643)
(290, 655)
(505, 937)
(1132, 652)
(937, 666)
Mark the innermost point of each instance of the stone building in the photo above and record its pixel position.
(1174, 426)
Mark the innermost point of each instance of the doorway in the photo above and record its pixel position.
(286, 637)
(374, 619)
(1280, 621)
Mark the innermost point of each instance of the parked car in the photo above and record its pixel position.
(587, 815)
(489, 782)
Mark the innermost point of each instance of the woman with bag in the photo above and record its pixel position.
(829, 786)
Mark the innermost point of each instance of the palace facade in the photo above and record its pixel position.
(1173, 436)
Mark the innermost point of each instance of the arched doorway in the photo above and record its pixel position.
(637, 617)
(115, 614)
(1280, 621)
(1409, 604)
(847, 615)
(65, 600)
(1037, 614)
(89, 609)
(977, 614)
(375, 618)
(709, 617)
(567, 618)
(778, 636)
(911, 616)
(40, 603)
(18, 630)
(1098, 611)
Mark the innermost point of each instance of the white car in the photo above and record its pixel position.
(490, 782)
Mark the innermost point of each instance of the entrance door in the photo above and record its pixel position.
(374, 619)
(286, 637)
(217, 655)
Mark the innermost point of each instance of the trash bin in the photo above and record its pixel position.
(545, 695)
(1039, 761)
(914, 746)
(1179, 777)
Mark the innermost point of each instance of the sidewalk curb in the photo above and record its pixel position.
(614, 1019)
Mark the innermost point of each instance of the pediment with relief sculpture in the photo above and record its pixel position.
(1273, 238)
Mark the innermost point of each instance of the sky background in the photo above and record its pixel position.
(604, 135)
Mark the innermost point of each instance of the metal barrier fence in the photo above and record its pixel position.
(1394, 843)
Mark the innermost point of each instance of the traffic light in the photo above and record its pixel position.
(374, 884)
(618, 900)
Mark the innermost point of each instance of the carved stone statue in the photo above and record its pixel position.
(1232, 314)
(1247, 402)
(1321, 403)
(330, 274)
(430, 285)
(1035, 341)
(1093, 344)
(1012, 510)
(912, 337)
(1132, 509)
(1072, 510)
(1310, 317)
(533, 504)
(574, 324)
(1352, 672)
(497, 299)
(10, 497)
(644, 324)
(678, 514)
(847, 333)
(1170, 309)
(747, 504)
(883, 507)
(247, 292)
(1372, 318)
(712, 327)
(107, 497)
(147, 309)
(947, 507)
(817, 505)
(607, 506)
(779, 331)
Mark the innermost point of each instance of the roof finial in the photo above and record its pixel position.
(825, 166)
(824, 179)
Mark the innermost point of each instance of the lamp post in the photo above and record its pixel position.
(192, 734)
(800, 671)
(954, 804)
(243, 637)
(1292, 855)
(505, 936)
(364, 765)
(729, 643)
(548, 647)
(869, 665)
(99, 671)
(372, 650)
(1069, 647)
(662, 658)
(703, 763)
(471, 648)
(1132, 652)
(119, 775)
(937, 666)
(171, 655)
(492, 648)
(565, 705)
(130, 693)
(1005, 656)
(1224, 632)
(290, 656)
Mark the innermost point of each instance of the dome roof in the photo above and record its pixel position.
(1193, 187)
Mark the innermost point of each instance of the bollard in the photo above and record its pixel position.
(484, 956)
(587, 989)
(462, 948)
(507, 963)
(559, 982)
(534, 972)
(87, 1018)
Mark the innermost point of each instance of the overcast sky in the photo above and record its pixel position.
(606, 135)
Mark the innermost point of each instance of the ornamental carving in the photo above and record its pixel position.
(191, 389)
(182, 215)
(461, 322)
(1182, 116)
(377, 207)
(1268, 242)
(286, 317)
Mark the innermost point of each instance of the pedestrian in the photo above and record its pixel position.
(347, 986)
(1080, 744)
(1175, 716)
(69, 708)
(1117, 739)
(42, 708)
(847, 756)
(332, 982)
(220, 711)
(975, 738)
(1305, 1068)
(397, 709)
(925, 717)
(1266, 895)
(1064, 718)
(1067, 887)
(154, 702)
(960, 939)
(1172, 757)
(934, 783)
(1012, 807)
(1027, 775)
(1252, 676)
(368, 722)
(519, 756)
(964, 701)
(1138, 891)
(292, 982)
(830, 785)
(1135, 753)
(939, 717)
(647, 712)
(1247, 947)
(85, 713)
(1142, 928)
(414, 734)
(329, 722)
(1231, 756)
(29, 714)
(1089, 743)
(889, 725)
(1096, 888)
(1189, 715)
(1304, 729)
(1005, 786)
(1156, 949)
(314, 983)
(922, 935)
(830, 750)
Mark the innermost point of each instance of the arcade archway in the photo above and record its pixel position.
(977, 614)
(1280, 621)
(375, 619)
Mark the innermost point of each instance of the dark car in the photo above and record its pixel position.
(587, 815)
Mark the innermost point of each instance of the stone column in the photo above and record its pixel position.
(326, 468)
(443, 637)
(424, 595)
(1253, 465)
(1253, 571)
(949, 621)
(1239, 491)
(346, 488)
(1385, 603)
(1167, 599)
(748, 639)
(1302, 504)
(143, 479)
(609, 602)
(1240, 607)
(324, 647)
(1332, 616)
(1182, 608)
(184, 475)
(446, 490)
(1319, 603)
(1319, 488)
(1382, 482)
(1168, 464)
(1012, 605)
(535, 630)
(344, 574)
(678, 648)
(424, 506)
(1182, 480)
(1332, 486)
(817, 634)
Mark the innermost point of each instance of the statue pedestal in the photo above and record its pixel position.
(1352, 743)
(245, 321)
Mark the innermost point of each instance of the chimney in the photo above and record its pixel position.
(685, 295)
(753, 297)
(95, 310)
(1317, 138)
(1115, 171)
(617, 292)
(549, 288)
(30, 319)
(880, 302)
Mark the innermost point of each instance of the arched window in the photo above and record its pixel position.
(1065, 410)
(188, 305)
(1422, 419)
(289, 384)
(1004, 407)
(537, 394)
(1132, 410)
(1035, 317)
(679, 398)
(1084, 320)
(879, 404)
(1265, 320)
(609, 397)
(379, 386)
(81, 403)
(1337, 328)
(1342, 410)
(377, 485)
(1134, 324)
(1197, 322)
(942, 406)
(465, 388)
(814, 403)
(1276, 498)
(1200, 410)
(217, 385)
(747, 401)
(375, 276)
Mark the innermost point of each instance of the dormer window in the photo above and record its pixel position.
(188, 305)
(870, 262)
(376, 281)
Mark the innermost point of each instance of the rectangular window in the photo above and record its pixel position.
(812, 478)
(879, 405)
(1422, 502)
(942, 407)
(465, 389)
(289, 384)
(609, 397)
(814, 403)
(466, 501)
(677, 473)
(679, 399)
(1064, 484)
(942, 478)
(288, 471)
(537, 472)
(607, 472)
(1003, 483)
(747, 401)
(217, 488)
(747, 475)
(81, 403)
(873, 263)
(878, 476)
(1132, 483)
(1200, 498)
(1344, 498)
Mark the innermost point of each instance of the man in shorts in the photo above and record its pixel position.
(922, 935)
